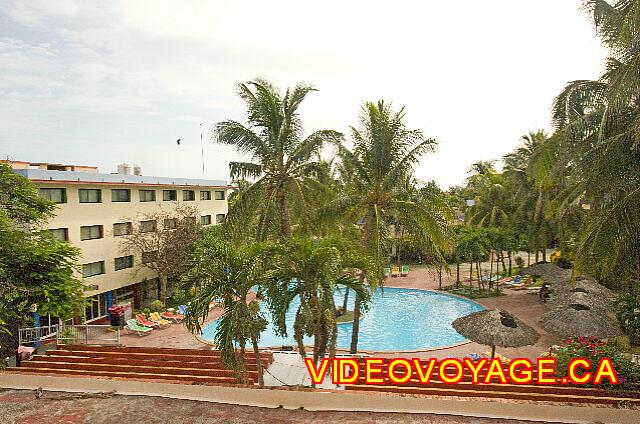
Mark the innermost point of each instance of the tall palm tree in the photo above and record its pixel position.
(311, 271)
(374, 172)
(227, 272)
(599, 121)
(280, 158)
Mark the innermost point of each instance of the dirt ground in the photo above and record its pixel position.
(22, 407)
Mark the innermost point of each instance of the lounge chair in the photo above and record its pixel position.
(172, 316)
(142, 320)
(155, 317)
(404, 271)
(395, 271)
(140, 330)
(183, 309)
(386, 272)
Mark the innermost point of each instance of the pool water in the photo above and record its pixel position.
(397, 319)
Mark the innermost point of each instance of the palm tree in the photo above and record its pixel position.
(310, 271)
(280, 158)
(375, 172)
(227, 272)
(598, 121)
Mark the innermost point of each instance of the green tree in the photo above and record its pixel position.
(226, 272)
(598, 122)
(311, 271)
(282, 161)
(375, 173)
(35, 268)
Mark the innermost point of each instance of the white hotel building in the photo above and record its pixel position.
(95, 210)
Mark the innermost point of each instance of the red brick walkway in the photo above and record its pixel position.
(22, 407)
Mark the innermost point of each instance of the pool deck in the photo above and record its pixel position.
(525, 306)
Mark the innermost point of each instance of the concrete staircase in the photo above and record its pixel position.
(187, 366)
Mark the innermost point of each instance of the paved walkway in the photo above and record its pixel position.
(525, 306)
(21, 407)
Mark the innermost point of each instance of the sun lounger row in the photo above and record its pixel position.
(396, 271)
(141, 325)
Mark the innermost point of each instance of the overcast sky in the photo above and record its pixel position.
(105, 82)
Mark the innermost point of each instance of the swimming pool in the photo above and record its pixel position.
(398, 319)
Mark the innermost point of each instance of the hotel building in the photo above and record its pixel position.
(95, 210)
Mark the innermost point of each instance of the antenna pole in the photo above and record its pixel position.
(202, 150)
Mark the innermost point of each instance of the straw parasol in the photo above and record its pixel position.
(578, 319)
(572, 297)
(493, 328)
(585, 286)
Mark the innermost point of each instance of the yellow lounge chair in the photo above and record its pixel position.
(395, 271)
(155, 316)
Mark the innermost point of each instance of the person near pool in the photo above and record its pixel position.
(545, 292)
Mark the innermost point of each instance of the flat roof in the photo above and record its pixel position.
(75, 177)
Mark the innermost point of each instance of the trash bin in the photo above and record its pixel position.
(116, 314)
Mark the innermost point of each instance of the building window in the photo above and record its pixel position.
(61, 234)
(169, 195)
(205, 219)
(219, 195)
(123, 294)
(90, 195)
(120, 195)
(124, 262)
(147, 226)
(122, 228)
(148, 257)
(91, 232)
(55, 195)
(147, 195)
(170, 224)
(220, 218)
(205, 195)
(97, 307)
(188, 195)
(94, 268)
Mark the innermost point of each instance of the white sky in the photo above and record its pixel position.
(104, 82)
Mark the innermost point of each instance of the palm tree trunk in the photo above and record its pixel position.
(242, 363)
(283, 215)
(544, 254)
(509, 253)
(346, 300)
(491, 267)
(537, 252)
(504, 267)
(440, 277)
(163, 287)
(528, 258)
(470, 273)
(356, 322)
(256, 352)
(457, 273)
(298, 334)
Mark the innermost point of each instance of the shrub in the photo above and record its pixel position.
(519, 261)
(627, 307)
(594, 350)
(156, 306)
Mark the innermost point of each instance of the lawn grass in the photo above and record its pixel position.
(472, 292)
(344, 318)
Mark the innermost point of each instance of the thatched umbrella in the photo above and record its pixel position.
(580, 320)
(572, 297)
(493, 328)
(585, 286)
